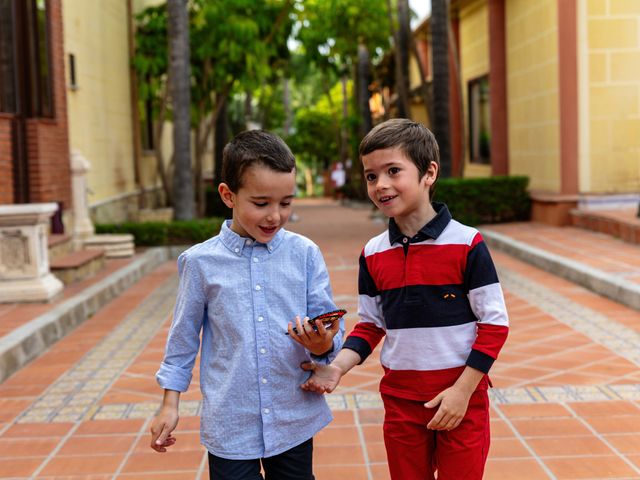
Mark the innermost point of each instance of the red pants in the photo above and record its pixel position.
(416, 453)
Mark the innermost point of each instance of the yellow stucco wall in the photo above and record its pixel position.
(474, 63)
(532, 92)
(609, 95)
(99, 109)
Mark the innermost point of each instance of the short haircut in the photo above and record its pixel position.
(416, 141)
(254, 147)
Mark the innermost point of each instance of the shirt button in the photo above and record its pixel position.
(248, 242)
(405, 240)
(258, 287)
(236, 250)
(270, 247)
(264, 380)
(255, 259)
(263, 350)
(260, 318)
(266, 410)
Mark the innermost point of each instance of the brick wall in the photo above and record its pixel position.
(48, 139)
(6, 170)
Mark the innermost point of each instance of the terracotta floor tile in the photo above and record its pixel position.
(590, 467)
(507, 448)
(499, 429)
(83, 465)
(345, 435)
(152, 462)
(513, 469)
(376, 452)
(83, 444)
(185, 441)
(110, 426)
(27, 447)
(561, 446)
(162, 476)
(372, 433)
(371, 416)
(329, 472)
(550, 427)
(627, 443)
(338, 455)
(535, 410)
(615, 424)
(18, 467)
(604, 409)
(379, 472)
(38, 430)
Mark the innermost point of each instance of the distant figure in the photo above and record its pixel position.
(338, 179)
(241, 292)
(428, 287)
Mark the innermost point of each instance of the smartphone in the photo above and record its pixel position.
(326, 318)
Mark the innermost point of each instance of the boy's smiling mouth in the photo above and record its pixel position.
(268, 230)
(386, 199)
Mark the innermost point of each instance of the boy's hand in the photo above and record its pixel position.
(161, 429)
(453, 405)
(324, 379)
(317, 342)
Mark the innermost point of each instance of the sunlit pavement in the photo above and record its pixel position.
(566, 402)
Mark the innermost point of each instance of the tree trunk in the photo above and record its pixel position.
(440, 47)
(402, 59)
(364, 70)
(180, 72)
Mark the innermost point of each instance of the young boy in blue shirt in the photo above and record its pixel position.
(239, 290)
(429, 287)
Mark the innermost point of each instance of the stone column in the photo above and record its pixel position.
(82, 225)
(24, 257)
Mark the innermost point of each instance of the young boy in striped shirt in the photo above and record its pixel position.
(428, 284)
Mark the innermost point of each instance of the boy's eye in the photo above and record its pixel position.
(393, 170)
(260, 204)
(370, 177)
(285, 204)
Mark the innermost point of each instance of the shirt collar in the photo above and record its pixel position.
(432, 229)
(236, 243)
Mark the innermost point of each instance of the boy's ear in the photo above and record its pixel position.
(432, 173)
(227, 196)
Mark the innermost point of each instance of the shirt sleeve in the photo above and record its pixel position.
(183, 341)
(320, 300)
(487, 303)
(370, 330)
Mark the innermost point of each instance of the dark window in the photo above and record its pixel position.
(146, 124)
(25, 60)
(7, 56)
(479, 121)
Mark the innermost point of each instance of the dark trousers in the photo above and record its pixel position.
(294, 464)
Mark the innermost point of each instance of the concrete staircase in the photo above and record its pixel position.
(71, 266)
(621, 223)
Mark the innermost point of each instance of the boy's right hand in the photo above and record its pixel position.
(161, 429)
(324, 379)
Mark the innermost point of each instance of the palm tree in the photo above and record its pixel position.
(440, 47)
(180, 73)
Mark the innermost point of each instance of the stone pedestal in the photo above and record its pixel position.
(82, 225)
(24, 259)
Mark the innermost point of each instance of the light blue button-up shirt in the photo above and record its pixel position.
(240, 294)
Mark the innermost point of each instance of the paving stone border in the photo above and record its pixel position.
(28, 341)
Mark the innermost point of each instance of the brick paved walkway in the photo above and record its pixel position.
(566, 402)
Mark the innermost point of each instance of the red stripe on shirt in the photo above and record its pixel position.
(490, 339)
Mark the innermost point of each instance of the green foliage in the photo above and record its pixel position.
(475, 201)
(179, 232)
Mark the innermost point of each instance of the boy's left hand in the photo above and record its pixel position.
(453, 405)
(317, 342)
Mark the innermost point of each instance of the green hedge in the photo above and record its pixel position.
(475, 201)
(177, 232)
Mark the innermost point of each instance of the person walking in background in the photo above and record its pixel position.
(239, 290)
(338, 179)
(428, 284)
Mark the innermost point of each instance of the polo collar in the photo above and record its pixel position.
(432, 229)
(236, 243)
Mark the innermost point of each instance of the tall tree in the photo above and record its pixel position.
(180, 74)
(402, 38)
(440, 47)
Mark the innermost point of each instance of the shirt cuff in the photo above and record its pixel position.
(358, 345)
(480, 361)
(175, 378)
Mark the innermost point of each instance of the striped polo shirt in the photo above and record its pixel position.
(437, 301)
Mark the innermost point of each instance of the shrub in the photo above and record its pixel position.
(177, 232)
(474, 201)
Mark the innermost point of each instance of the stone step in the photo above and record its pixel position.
(78, 265)
(59, 245)
(622, 223)
(114, 245)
